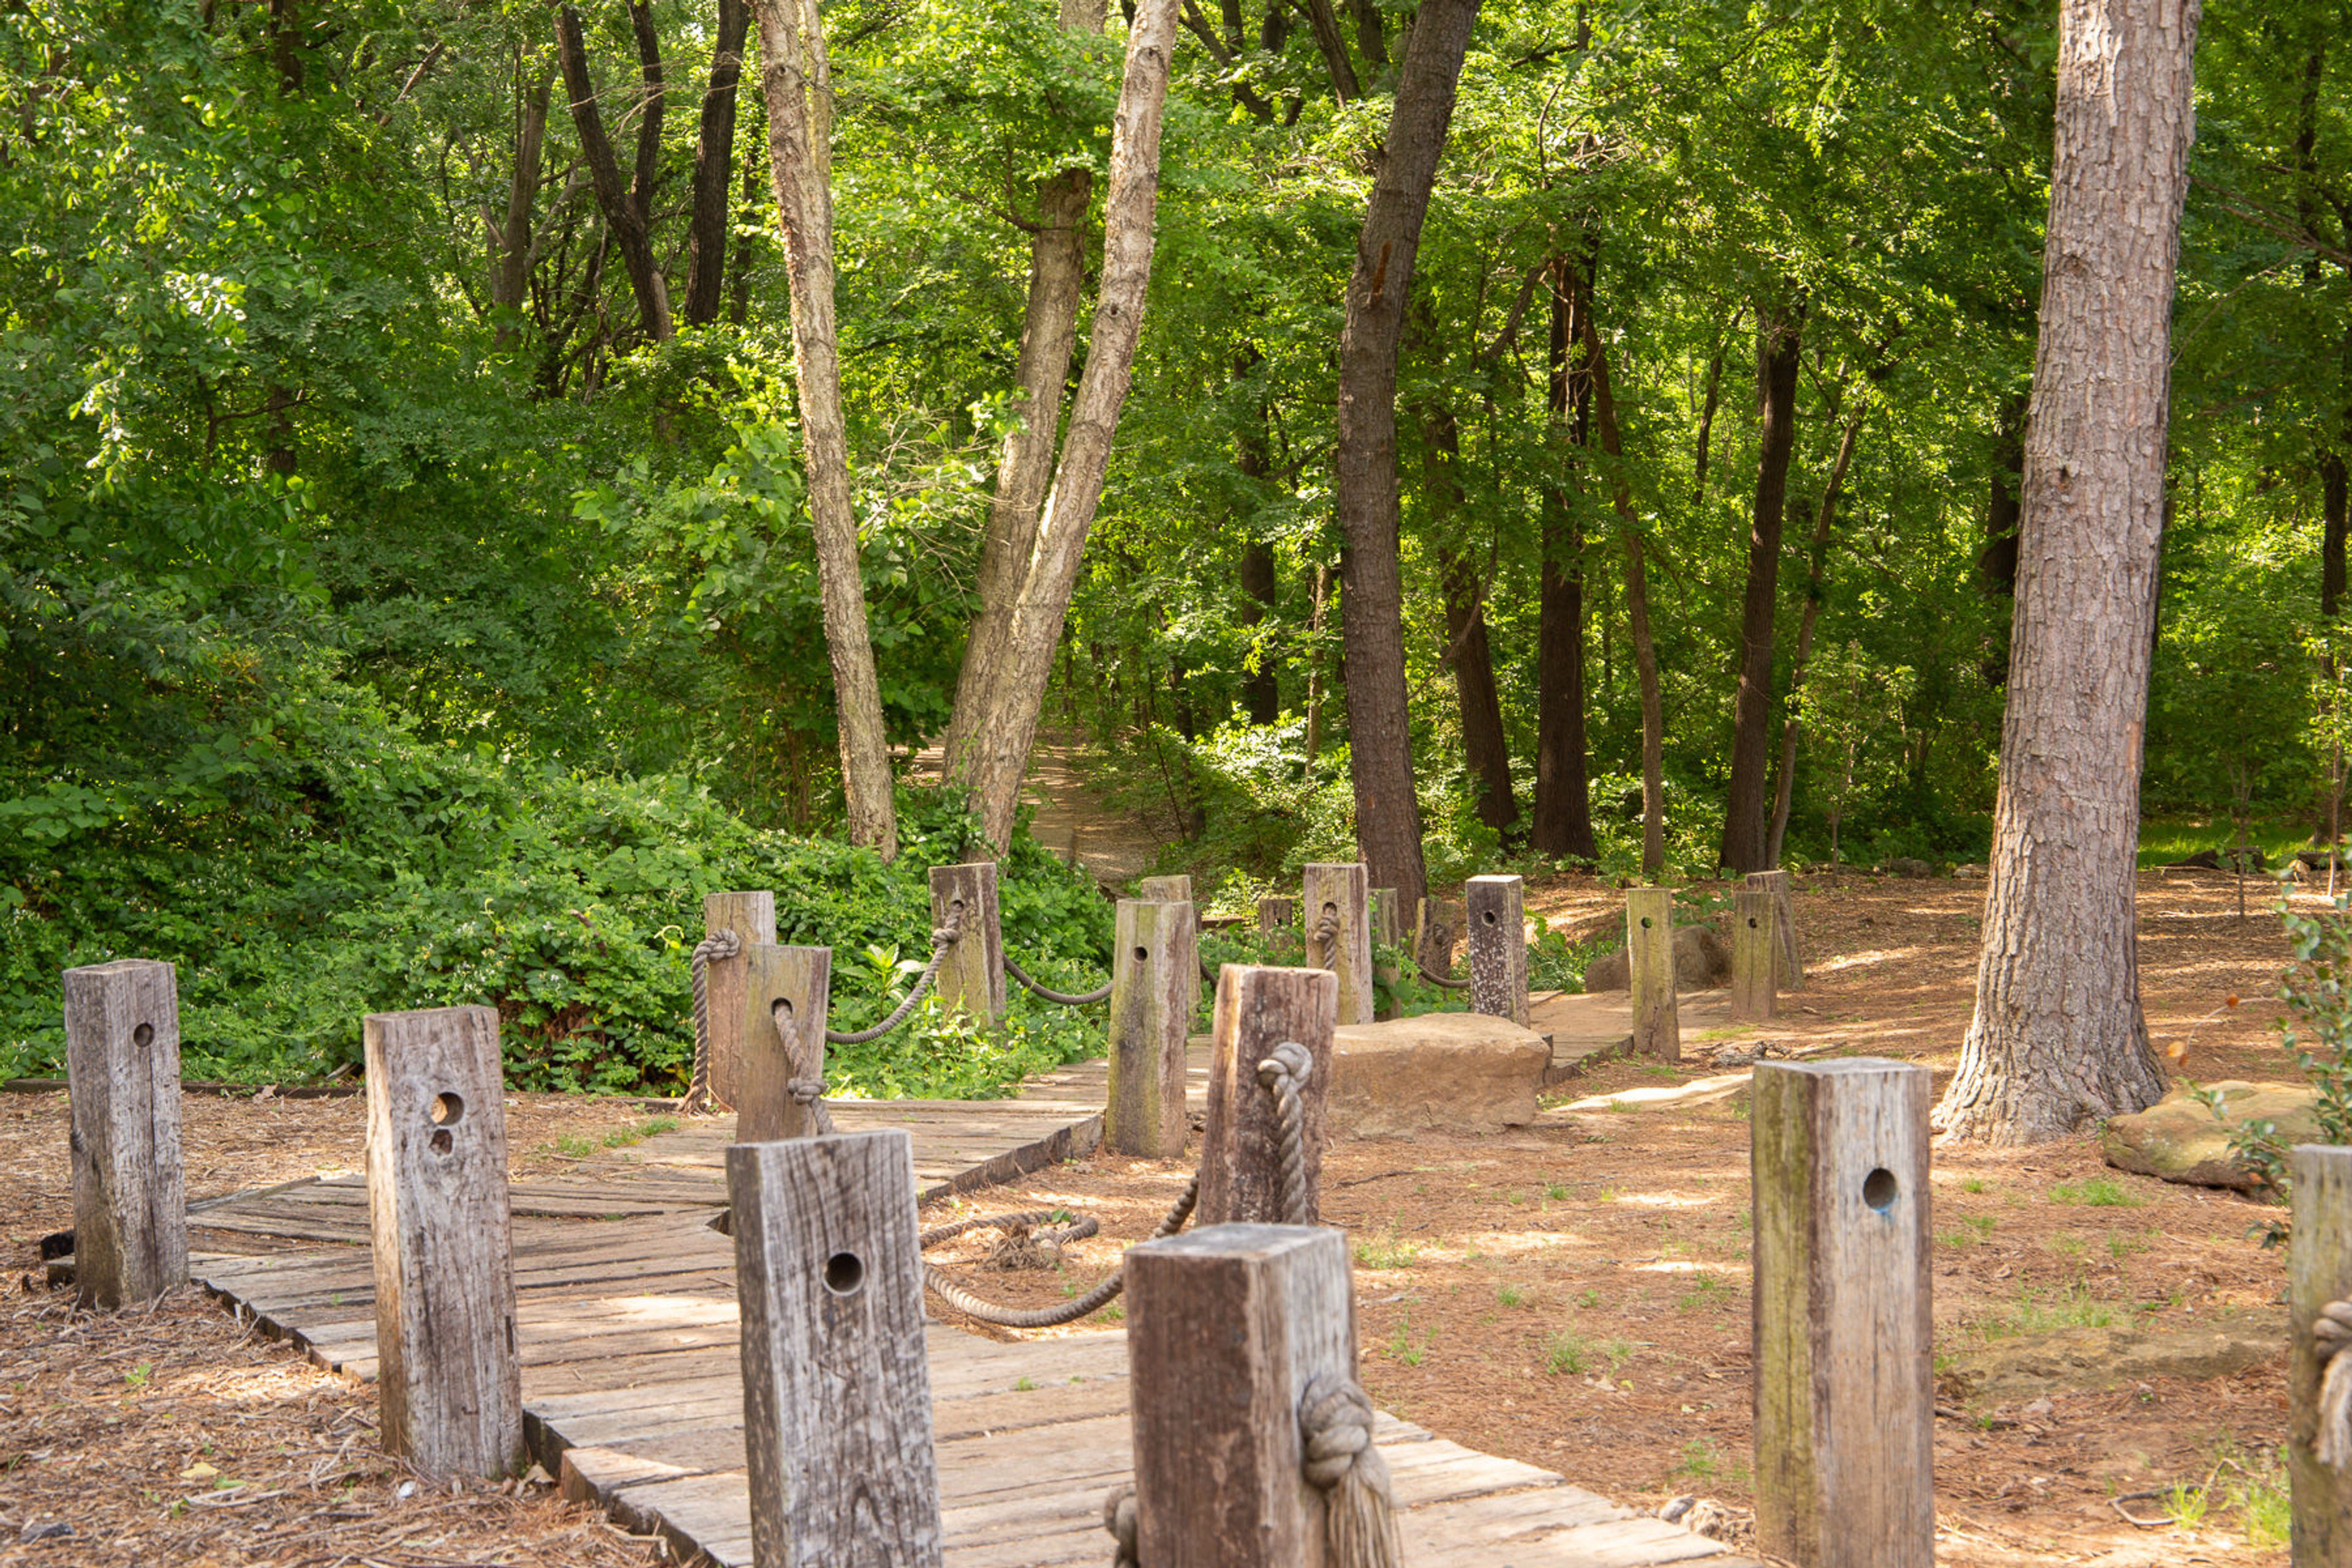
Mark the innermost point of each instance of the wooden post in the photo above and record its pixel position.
(1436, 927)
(1259, 1007)
(1650, 970)
(1226, 1328)
(1154, 978)
(1499, 947)
(1277, 922)
(1343, 892)
(1178, 890)
(752, 917)
(122, 1067)
(836, 1388)
(2319, 1271)
(972, 975)
(1788, 959)
(1844, 1346)
(1388, 931)
(787, 993)
(440, 1223)
(1752, 957)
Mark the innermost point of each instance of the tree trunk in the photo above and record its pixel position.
(2058, 1040)
(1325, 26)
(2333, 528)
(998, 744)
(1315, 666)
(1563, 813)
(510, 242)
(1261, 691)
(1997, 562)
(714, 157)
(1746, 832)
(1637, 609)
(653, 98)
(1487, 755)
(1784, 786)
(1371, 598)
(799, 83)
(613, 198)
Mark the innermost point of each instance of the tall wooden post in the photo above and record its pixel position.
(1650, 970)
(1499, 947)
(787, 996)
(1277, 922)
(1753, 998)
(1388, 931)
(1436, 927)
(1154, 978)
(751, 916)
(1226, 1328)
(1241, 1161)
(440, 1224)
(972, 975)
(837, 1387)
(1342, 893)
(1788, 958)
(1845, 1348)
(123, 1065)
(2319, 1271)
(1177, 889)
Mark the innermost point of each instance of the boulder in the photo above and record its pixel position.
(1969, 873)
(1702, 959)
(2115, 1356)
(2179, 1139)
(1442, 1072)
(1906, 866)
(1610, 972)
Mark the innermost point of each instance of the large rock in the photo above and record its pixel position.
(1702, 961)
(1444, 1072)
(2115, 1356)
(1610, 972)
(2182, 1141)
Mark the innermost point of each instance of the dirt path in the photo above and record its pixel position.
(1072, 818)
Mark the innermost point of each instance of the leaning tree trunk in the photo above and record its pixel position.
(2058, 1040)
(1745, 830)
(1371, 597)
(510, 242)
(800, 162)
(1791, 727)
(1486, 749)
(1637, 608)
(621, 210)
(714, 155)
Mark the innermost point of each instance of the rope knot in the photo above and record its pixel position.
(1334, 1431)
(1118, 1518)
(2331, 1331)
(1288, 1060)
(805, 1091)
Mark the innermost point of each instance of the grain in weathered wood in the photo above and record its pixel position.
(751, 916)
(1154, 981)
(1843, 1332)
(1499, 947)
(1342, 893)
(787, 992)
(445, 1288)
(2319, 1271)
(1753, 943)
(836, 1388)
(1277, 922)
(1787, 954)
(1176, 889)
(972, 970)
(1650, 968)
(123, 1062)
(1241, 1163)
(1228, 1326)
(1436, 927)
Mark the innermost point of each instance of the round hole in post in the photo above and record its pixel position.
(441, 1141)
(1752, 922)
(143, 1035)
(1331, 911)
(781, 1010)
(1141, 954)
(1486, 915)
(445, 1110)
(843, 1273)
(1645, 922)
(1879, 1189)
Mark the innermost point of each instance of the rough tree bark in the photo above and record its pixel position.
(1372, 597)
(1637, 609)
(714, 162)
(1486, 752)
(1746, 832)
(1997, 562)
(1563, 807)
(2058, 1040)
(613, 198)
(511, 241)
(799, 83)
(1791, 728)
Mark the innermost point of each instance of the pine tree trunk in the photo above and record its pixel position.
(1637, 609)
(1791, 728)
(2058, 1040)
(1746, 831)
(714, 154)
(1997, 562)
(1563, 807)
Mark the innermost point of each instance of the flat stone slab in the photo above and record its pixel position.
(1452, 1072)
(2116, 1356)
(2179, 1139)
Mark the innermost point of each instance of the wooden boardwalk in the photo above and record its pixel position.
(633, 1388)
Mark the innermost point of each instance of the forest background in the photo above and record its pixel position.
(406, 590)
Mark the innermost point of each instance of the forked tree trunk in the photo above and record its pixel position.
(510, 242)
(1791, 728)
(1371, 598)
(2058, 1040)
(1637, 609)
(614, 198)
(1563, 808)
(1746, 833)
(800, 162)
(714, 154)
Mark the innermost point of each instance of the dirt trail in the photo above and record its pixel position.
(1073, 819)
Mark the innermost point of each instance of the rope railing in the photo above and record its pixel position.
(719, 945)
(942, 938)
(1064, 998)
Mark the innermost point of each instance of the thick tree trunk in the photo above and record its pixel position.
(1746, 832)
(1637, 609)
(798, 84)
(714, 161)
(510, 242)
(1563, 808)
(2058, 1040)
(1261, 691)
(1325, 26)
(1315, 667)
(1997, 562)
(653, 98)
(1371, 601)
(613, 198)
(1791, 727)
(997, 748)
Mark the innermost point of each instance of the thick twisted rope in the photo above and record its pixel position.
(1435, 979)
(806, 1086)
(942, 938)
(718, 944)
(2331, 1334)
(1069, 1312)
(1283, 1075)
(1067, 998)
(1335, 1430)
(1118, 1518)
(1325, 940)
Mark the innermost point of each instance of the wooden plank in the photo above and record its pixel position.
(2319, 1271)
(1257, 1009)
(122, 1060)
(1499, 947)
(751, 916)
(786, 996)
(1154, 984)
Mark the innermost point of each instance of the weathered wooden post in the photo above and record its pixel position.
(1177, 889)
(1258, 1008)
(1338, 899)
(1753, 998)
(1154, 978)
(441, 1227)
(1650, 970)
(1386, 933)
(1843, 1338)
(2319, 1271)
(1787, 960)
(787, 996)
(1277, 921)
(972, 975)
(1436, 927)
(1499, 947)
(836, 1388)
(751, 916)
(122, 1066)
(1226, 1328)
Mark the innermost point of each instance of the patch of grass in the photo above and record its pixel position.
(1700, 1460)
(1619, 1105)
(572, 1146)
(2095, 1193)
(1512, 1296)
(2120, 1245)
(1023, 1384)
(1619, 1352)
(2039, 1311)
(1705, 1291)
(1515, 1198)
(1588, 1299)
(1391, 1251)
(2265, 1510)
(138, 1376)
(1114, 1313)
(1404, 1347)
(1973, 1185)
(2185, 1505)
(1557, 1192)
(2070, 1245)
(1564, 1356)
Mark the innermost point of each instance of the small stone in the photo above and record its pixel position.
(404, 1492)
(43, 1529)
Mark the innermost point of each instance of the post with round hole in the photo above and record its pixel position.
(1258, 1008)
(122, 1067)
(1277, 922)
(1342, 895)
(1499, 947)
(1154, 978)
(1650, 970)
(441, 1226)
(1225, 1329)
(1753, 999)
(1788, 960)
(1436, 927)
(1845, 1441)
(971, 974)
(837, 1387)
(1176, 889)
(2319, 1271)
(751, 916)
(786, 994)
